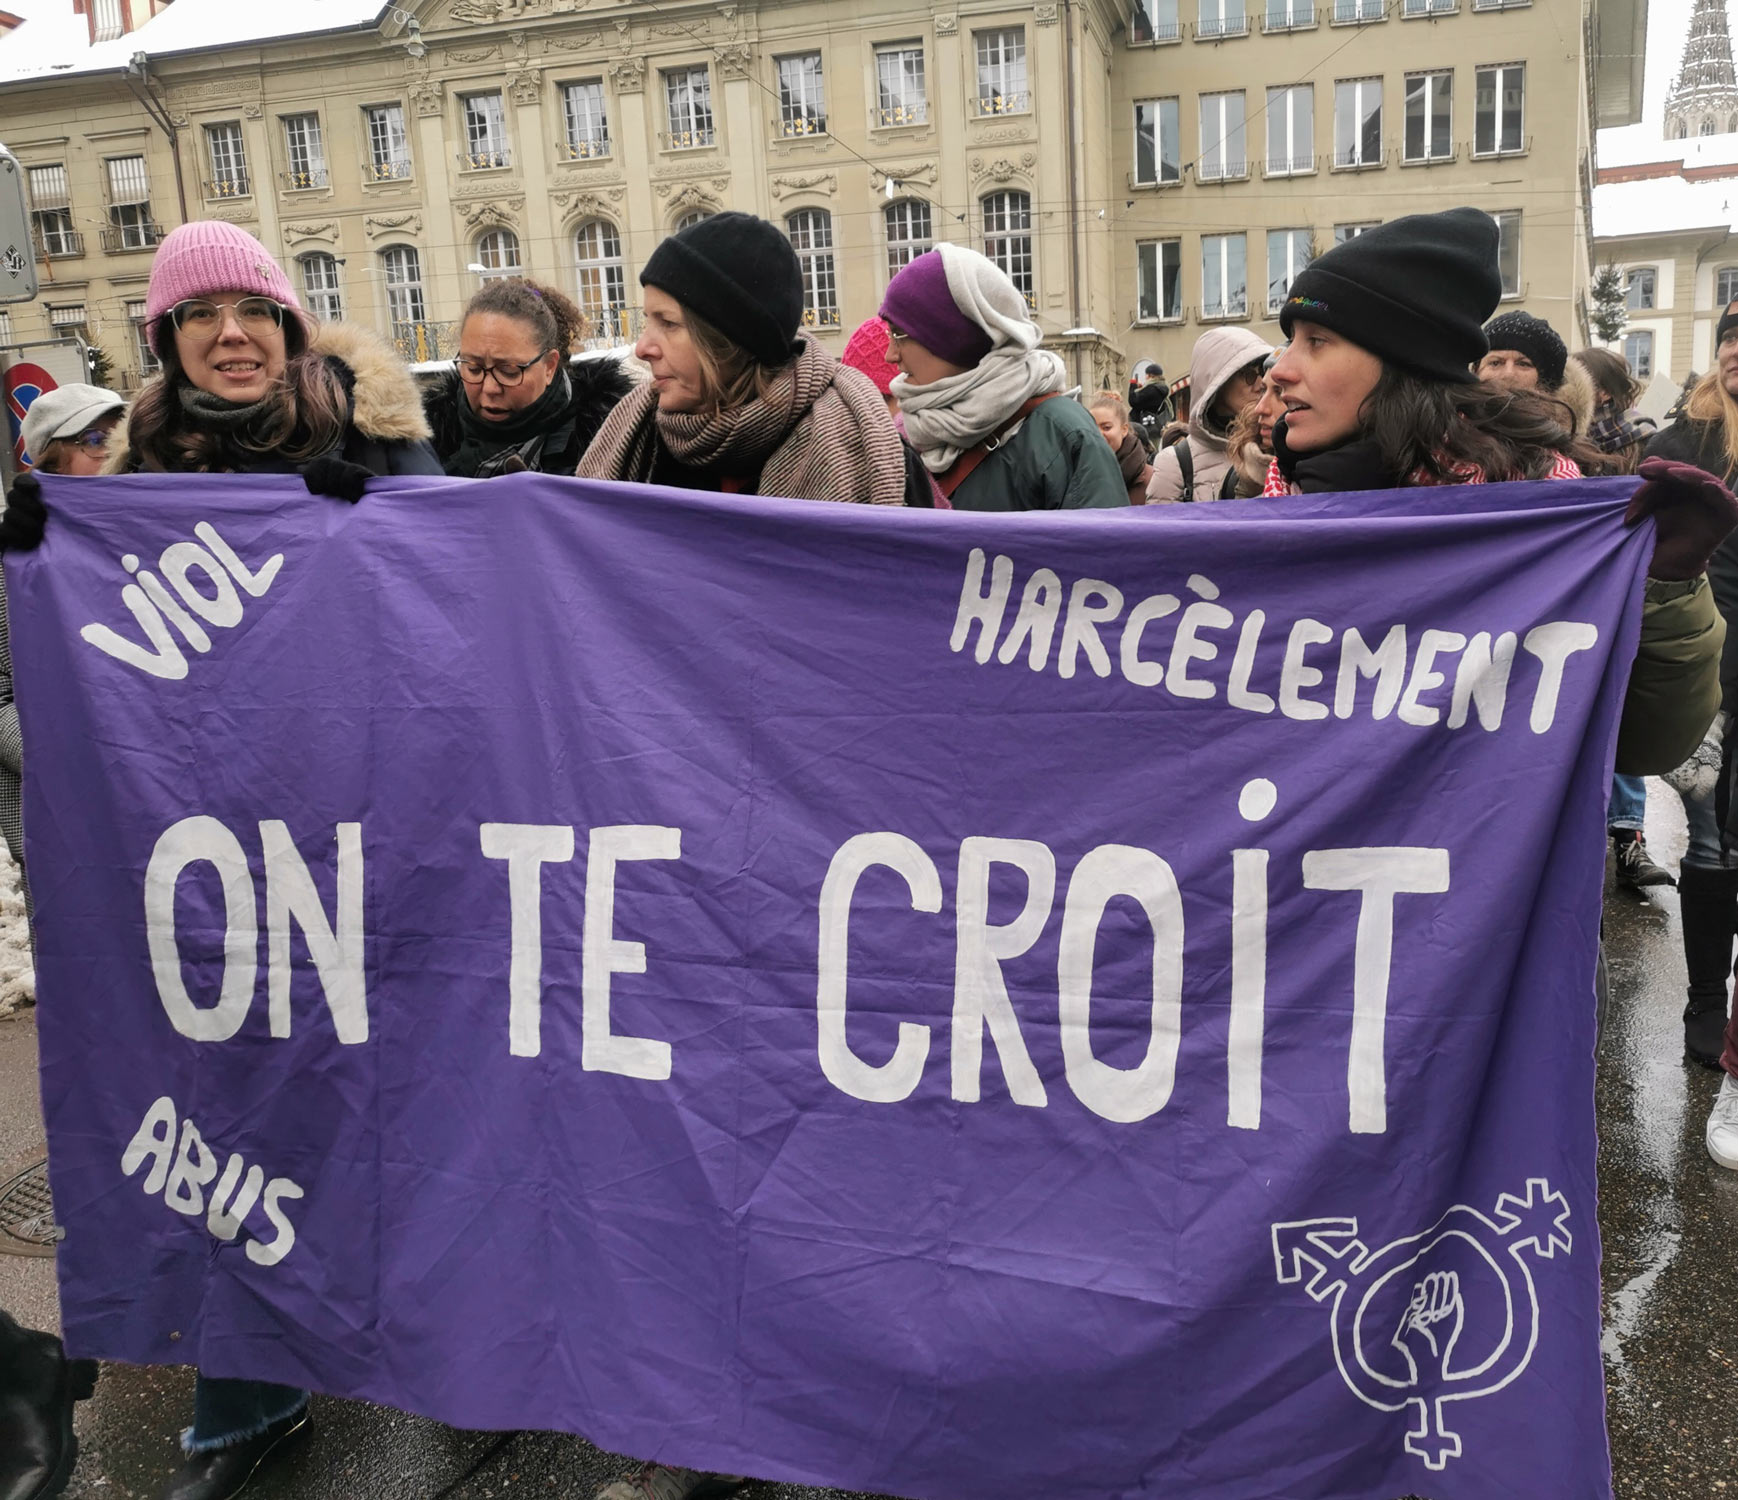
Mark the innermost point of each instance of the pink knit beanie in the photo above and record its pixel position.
(867, 351)
(205, 258)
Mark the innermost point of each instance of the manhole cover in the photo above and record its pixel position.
(27, 1224)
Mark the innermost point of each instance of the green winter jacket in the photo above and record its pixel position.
(1058, 460)
(1674, 686)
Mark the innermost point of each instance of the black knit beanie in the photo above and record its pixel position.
(1728, 321)
(741, 275)
(1415, 291)
(1533, 337)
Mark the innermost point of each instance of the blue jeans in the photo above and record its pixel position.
(1704, 848)
(229, 1412)
(1628, 806)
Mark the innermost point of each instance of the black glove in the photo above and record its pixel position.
(22, 526)
(337, 479)
(1692, 511)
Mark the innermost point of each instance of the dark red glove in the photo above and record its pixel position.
(1692, 511)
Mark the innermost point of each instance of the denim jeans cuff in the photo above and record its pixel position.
(191, 1445)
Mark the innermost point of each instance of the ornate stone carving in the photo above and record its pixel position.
(996, 136)
(428, 96)
(589, 205)
(254, 111)
(1003, 170)
(474, 55)
(735, 59)
(526, 87)
(728, 12)
(1045, 15)
(920, 173)
(628, 74)
(489, 192)
(588, 43)
(806, 182)
(474, 12)
(233, 213)
(689, 198)
(376, 225)
(301, 233)
(193, 93)
(946, 25)
(494, 214)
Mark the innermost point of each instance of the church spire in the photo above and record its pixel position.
(1704, 100)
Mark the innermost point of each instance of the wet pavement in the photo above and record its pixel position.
(1668, 1215)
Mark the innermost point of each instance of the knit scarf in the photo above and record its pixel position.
(821, 433)
(1354, 465)
(486, 445)
(208, 410)
(1131, 458)
(946, 417)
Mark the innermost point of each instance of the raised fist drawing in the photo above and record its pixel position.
(1432, 1320)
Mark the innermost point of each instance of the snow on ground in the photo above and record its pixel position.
(17, 967)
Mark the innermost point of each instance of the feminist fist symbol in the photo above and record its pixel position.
(1435, 1301)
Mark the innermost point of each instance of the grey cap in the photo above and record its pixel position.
(66, 411)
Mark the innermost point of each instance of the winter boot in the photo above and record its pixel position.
(1708, 907)
(1634, 868)
(38, 1385)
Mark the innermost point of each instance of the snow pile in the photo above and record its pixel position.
(17, 967)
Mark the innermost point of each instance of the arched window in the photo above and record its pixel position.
(597, 251)
(687, 221)
(811, 232)
(1008, 238)
(498, 255)
(320, 290)
(404, 300)
(909, 232)
(1732, 125)
(1707, 128)
(1678, 131)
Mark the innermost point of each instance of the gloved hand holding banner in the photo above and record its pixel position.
(951, 1005)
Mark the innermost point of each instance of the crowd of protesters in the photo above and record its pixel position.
(1394, 374)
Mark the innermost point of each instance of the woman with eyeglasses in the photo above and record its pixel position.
(252, 385)
(514, 400)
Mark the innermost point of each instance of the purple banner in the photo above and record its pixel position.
(958, 1006)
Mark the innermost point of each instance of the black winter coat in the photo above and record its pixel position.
(1704, 445)
(598, 384)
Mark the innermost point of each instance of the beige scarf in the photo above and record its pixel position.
(822, 433)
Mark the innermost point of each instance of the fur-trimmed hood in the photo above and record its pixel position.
(1577, 393)
(386, 406)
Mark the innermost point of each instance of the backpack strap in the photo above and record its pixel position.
(966, 464)
(1186, 462)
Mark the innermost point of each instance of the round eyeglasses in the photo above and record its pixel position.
(506, 372)
(202, 321)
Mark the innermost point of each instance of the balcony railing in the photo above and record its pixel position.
(1412, 9)
(61, 244)
(802, 125)
(1229, 170)
(1358, 12)
(598, 148)
(891, 115)
(610, 327)
(688, 140)
(1290, 166)
(1224, 26)
(1155, 33)
(1353, 159)
(303, 179)
(484, 158)
(1002, 104)
(419, 342)
(119, 239)
(1430, 159)
(1231, 307)
(1499, 4)
(234, 186)
(1298, 18)
(821, 317)
(393, 169)
(1520, 150)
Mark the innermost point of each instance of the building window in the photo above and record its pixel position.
(1499, 100)
(909, 233)
(1288, 15)
(405, 307)
(305, 151)
(687, 221)
(1358, 122)
(1509, 250)
(51, 213)
(688, 107)
(1638, 349)
(1357, 12)
(597, 254)
(1291, 130)
(130, 223)
(1008, 239)
(148, 362)
(1154, 21)
(228, 161)
(107, 22)
(1222, 154)
(1726, 286)
(320, 289)
(485, 133)
(1288, 252)
(1429, 100)
(588, 127)
(1344, 232)
(68, 321)
(802, 105)
(1706, 128)
(1639, 289)
(1430, 7)
(1159, 274)
(1222, 18)
(1224, 276)
(388, 145)
(811, 233)
(1157, 154)
(900, 97)
(1002, 86)
(498, 255)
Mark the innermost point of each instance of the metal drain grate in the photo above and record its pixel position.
(27, 1224)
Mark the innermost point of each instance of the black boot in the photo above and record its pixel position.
(38, 1385)
(1634, 868)
(217, 1476)
(1708, 907)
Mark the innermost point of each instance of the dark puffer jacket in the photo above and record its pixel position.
(598, 384)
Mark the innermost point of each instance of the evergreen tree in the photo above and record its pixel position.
(1610, 312)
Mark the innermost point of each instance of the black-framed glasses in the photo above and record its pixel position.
(506, 372)
(202, 321)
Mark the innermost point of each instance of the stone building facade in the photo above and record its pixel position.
(1111, 159)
